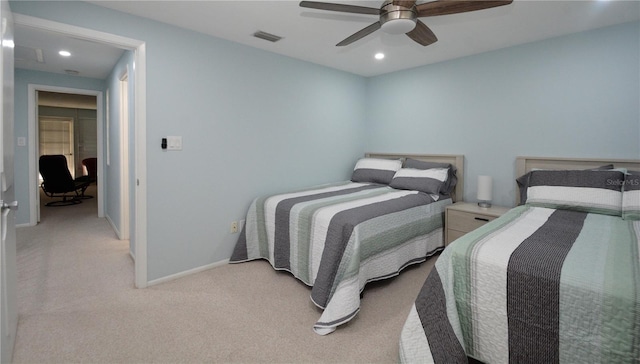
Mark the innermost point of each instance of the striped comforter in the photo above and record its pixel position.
(338, 237)
(537, 285)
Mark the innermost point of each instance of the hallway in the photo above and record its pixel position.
(70, 259)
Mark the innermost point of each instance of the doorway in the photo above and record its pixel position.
(137, 176)
(70, 131)
(67, 125)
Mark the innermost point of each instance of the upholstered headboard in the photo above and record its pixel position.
(454, 159)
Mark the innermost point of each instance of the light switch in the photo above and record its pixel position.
(174, 143)
(22, 141)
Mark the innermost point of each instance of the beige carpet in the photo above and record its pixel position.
(77, 304)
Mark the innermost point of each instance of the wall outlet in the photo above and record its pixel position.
(234, 227)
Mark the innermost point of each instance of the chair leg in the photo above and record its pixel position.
(66, 201)
(81, 194)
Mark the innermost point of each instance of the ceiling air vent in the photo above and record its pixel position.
(266, 36)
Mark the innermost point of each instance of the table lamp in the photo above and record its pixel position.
(485, 188)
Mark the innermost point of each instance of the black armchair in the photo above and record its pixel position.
(58, 182)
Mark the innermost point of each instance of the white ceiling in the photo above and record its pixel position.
(89, 59)
(311, 35)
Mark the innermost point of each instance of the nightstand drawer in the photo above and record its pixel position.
(463, 217)
(466, 221)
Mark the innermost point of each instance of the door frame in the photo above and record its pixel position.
(33, 135)
(8, 259)
(138, 175)
(123, 83)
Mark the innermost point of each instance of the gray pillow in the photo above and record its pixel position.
(429, 181)
(598, 191)
(448, 185)
(375, 170)
(523, 181)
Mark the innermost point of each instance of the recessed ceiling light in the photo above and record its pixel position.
(379, 55)
(64, 53)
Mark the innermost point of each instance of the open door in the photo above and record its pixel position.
(8, 279)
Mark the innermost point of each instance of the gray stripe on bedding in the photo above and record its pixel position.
(609, 180)
(424, 184)
(240, 251)
(372, 175)
(339, 231)
(281, 250)
(533, 288)
(431, 306)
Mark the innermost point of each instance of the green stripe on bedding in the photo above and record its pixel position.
(412, 224)
(621, 311)
(462, 248)
(578, 280)
(408, 224)
(261, 227)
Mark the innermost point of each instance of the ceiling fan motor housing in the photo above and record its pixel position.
(397, 19)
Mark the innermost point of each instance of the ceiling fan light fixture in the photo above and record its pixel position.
(398, 26)
(397, 19)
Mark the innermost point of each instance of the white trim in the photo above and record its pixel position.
(113, 226)
(140, 170)
(77, 32)
(125, 201)
(140, 92)
(34, 196)
(188, 272)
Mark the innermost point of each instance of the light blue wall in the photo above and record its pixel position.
(573, 96)
(252, 122)
(22, 80)
(113, 169)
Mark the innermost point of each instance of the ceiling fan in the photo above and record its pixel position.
(398, 16)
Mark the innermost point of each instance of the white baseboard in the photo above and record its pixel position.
(113, 226)
(188, 272)
(25, 225)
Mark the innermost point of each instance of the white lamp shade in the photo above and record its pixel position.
(485, 188)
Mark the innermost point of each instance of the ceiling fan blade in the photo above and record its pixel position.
(405, 3)
(360, 34)
(340, 7)
(445, 7)
(422, 35)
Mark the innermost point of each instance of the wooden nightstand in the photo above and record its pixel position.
(463, 217)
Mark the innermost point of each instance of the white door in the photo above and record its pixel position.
(8, 280)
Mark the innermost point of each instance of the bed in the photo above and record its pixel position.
(337, 237)
(554, 280)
